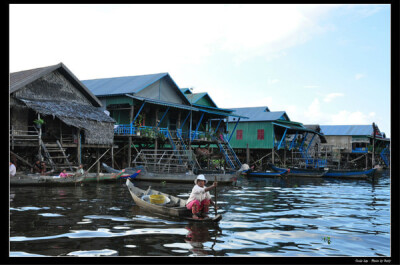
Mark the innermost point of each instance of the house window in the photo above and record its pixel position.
(239, 134)
(260, 134)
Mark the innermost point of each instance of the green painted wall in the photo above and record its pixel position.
(204, 101)
(118, 100)
(250, 135)
(120, 116)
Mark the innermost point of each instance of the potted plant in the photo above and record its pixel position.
(38, 123)
(139, 120)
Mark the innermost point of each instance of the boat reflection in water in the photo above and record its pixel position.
(198, 234)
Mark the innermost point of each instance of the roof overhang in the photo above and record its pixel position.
(379, 139)
(163, 103)
(68, 110)
(68, 75)
(296, 128)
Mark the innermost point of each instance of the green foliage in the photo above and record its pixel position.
(39, 121)
(139, 120)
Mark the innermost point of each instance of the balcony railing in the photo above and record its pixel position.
(360, 150)
(150, 131)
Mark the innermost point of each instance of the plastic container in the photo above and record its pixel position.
(157, 199)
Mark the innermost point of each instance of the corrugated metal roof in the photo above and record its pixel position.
(346, 129)
(186, 91)
(293, 127)
(258, 114)
(121, 85)
(196, 97)
(164, 103)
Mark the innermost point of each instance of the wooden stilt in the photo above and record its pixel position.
(247, 155)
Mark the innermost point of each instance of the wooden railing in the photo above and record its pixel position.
(150, 131)
(20, 134)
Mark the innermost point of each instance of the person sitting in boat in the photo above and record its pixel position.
(80, 171)
(64, 174)
(13, 170)
(43, 171)
(37, 167)
(200, 198)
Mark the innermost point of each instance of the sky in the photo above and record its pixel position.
(321, 63)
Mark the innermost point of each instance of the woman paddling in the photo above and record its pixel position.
(200, 198)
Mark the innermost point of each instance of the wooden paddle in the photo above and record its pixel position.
(215, 203)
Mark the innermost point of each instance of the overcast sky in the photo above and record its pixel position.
(322, 64)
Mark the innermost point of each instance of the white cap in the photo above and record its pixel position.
(200, 177)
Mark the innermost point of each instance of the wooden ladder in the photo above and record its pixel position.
(56, 151)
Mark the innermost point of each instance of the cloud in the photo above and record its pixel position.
(345, 117)
(272, 81)
(359, 76)
(313, 112)
(331, 96)
(126, 39)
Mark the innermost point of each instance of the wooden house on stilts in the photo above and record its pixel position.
(270, 136)
(358, 145)
(55, 118)
(158, 126)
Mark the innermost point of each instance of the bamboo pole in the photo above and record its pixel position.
(97, 160)
(215, 203)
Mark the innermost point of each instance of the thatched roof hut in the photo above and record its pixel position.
(55, 91)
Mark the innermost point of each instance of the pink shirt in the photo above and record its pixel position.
(63, 175)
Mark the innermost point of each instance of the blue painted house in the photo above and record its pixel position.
(152, 106)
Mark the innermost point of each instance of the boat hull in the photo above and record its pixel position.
(184, 178)
(39, 180)
(300, 172)
(174, 177)
(176, 209)
(265, 174)
(350, 174)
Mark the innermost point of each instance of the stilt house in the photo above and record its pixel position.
(267, 132)
(154, 115)
(54, 117)
(355, 140)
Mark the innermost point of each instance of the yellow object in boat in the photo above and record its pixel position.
(157, 199)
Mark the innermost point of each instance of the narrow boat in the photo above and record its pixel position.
(126, 173)
(172, 206)
(174, 177)
(301, 172)
(43, 180)
(350, 173)
(265, 174)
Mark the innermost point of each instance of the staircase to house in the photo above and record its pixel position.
(230, 156)
(385, 155)
(309, 155)
(55, 154)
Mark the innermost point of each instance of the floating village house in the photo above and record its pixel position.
(358, 143)
(54, 117)
(160, 122)
(266, 131)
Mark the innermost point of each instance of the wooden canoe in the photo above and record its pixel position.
(265, 174)
(174, 177)
(175, 207)
(301, 172)
(350, 173)
(41, 180)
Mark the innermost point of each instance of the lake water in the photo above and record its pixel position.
(271, 217)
